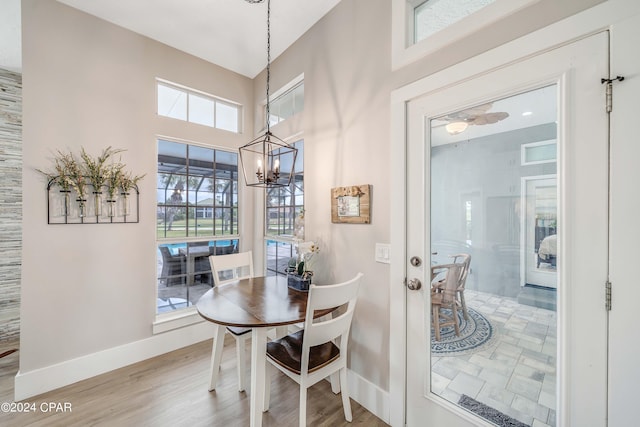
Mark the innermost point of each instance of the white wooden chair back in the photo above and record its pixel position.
(231, 267)
(324, 338)
(320, 331)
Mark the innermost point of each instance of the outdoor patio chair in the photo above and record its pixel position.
(173, 267)
(465, 261)
(444, 304)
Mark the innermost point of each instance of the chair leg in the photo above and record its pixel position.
(346, 403)
(241, 359)
(267, 387)
(216, 355)
(335, 382)
(436, 321)
(303, 405)
(464, 305)
(456, 321)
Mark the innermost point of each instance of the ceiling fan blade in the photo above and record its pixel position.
(490, 118)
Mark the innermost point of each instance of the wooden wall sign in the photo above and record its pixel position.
(351, 205)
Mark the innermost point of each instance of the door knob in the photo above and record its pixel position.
(414, 284)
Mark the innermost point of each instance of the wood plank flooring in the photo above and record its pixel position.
(171, 390)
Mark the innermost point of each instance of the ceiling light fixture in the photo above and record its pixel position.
(455, 128)
(268, 161)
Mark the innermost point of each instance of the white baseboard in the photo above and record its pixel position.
(38, 381)
(369, 395)
(33, 383)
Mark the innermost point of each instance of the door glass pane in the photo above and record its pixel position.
(494, 259)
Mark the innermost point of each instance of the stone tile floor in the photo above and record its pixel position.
(516, 372)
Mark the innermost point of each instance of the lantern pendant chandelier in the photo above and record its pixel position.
(268, 161)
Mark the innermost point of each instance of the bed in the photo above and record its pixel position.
(548, 250)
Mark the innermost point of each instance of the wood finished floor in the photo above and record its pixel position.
(171, 390)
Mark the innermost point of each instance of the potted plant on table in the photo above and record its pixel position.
(299, 272)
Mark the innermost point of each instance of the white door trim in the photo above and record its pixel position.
(563, 32)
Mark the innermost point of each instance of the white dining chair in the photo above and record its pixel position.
(320, 349)
(225, 269)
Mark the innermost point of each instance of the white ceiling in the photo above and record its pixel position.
(229, 33)
(10, 40)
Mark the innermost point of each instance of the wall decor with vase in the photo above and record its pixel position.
(91, 190)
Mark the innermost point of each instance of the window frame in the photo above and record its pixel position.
(204, 95)
(278, 95)
(296, 208)
(175, 318)
(404, 51)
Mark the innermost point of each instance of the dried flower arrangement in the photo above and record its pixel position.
(73, 173)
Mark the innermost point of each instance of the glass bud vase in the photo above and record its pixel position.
(125, 204)
(97, 203)
(110, 207)
(82, 207)
(61, 206)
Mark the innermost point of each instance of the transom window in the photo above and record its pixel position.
(197, 216)
(197, 107)
(288, 102)
(432, 16)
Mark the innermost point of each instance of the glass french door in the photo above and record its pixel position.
(509, 170)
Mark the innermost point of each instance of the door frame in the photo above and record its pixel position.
(549, 38)
(523, 223)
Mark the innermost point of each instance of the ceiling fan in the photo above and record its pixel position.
(479, 115)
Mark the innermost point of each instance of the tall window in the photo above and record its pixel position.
(283, 205)
(193, 106)
(197, 216)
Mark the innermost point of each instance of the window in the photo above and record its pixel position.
(432, 16)
(283, 206)
(422, 27)
(289, 102)
(193, 106)
(197, 216)
(538, 152)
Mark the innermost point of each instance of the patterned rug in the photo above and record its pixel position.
(488, 413)
(474, 333)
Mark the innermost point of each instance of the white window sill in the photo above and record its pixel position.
(175, 320)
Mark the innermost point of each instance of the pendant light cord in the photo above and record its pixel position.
(268, 109)
(268, 62)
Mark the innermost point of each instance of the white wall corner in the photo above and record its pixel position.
(38, 381)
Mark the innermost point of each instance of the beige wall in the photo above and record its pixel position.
(88, 83)
(346, 61)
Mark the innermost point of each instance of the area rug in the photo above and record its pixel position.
(488, 413)
(475, 333)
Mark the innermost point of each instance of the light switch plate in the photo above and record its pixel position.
(382, 253)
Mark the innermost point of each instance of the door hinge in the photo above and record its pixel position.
(607, 302)
(609, 91)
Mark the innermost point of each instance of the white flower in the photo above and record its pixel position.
(306, 251)
(306, 247)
